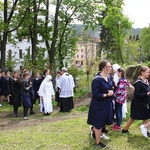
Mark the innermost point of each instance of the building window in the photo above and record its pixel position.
(81, 50)
(20, 53)
(10, 54)
(77, 56)
(78, 63)
(81, 56)
(81, 63)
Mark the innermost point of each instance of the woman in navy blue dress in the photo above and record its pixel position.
(101, 107)
(139, 105)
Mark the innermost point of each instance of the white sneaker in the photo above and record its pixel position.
(0, 105)
(25, 118)
(92, 132)
(143, 130)
(103, 135)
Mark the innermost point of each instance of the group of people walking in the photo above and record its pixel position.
(108, 96)
(106, 93)
(21, 89)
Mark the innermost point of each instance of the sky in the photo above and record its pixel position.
(138, 11)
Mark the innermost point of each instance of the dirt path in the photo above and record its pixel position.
(7, 121)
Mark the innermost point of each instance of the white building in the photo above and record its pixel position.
(19, 50)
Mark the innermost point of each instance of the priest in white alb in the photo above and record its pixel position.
(66, 86)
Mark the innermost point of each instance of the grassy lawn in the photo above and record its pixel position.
(69, 134)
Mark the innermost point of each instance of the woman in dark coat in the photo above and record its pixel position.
(15, 98)
(25, 85)
(101, 107)
(139, 104)
(36, 84)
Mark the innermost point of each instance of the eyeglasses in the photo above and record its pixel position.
(109, 66)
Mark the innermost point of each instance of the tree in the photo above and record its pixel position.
(145, 44)
(132, 52)
(30, 29)
(118, 25)
(33, 29)
(107, 43)
(51, 47)
(89, 46)
(66, 45)
(41, 60)
(10, 61)
(9, 25)
(60, 42)
(89, 14)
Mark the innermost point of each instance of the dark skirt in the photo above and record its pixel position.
(15, 100)
(66, 104)
(57, 99)
(139, 111)
(26, 100)
(100, 114)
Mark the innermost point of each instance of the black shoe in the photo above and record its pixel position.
(92, 132)
(32, 112)
(104, 130)
(101, 145)
(48, 114)
(125, 131)
(45, 113)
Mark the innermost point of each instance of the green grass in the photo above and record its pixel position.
(69, 134)
(79, 93)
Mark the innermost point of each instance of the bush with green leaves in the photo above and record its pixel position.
(73, 70)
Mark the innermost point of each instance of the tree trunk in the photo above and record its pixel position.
(6, 23)
(3, 51)
(34, 49)
(34, 34)
(52, 50)
(4, 37)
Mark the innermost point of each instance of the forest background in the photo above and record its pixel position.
(58, 30)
